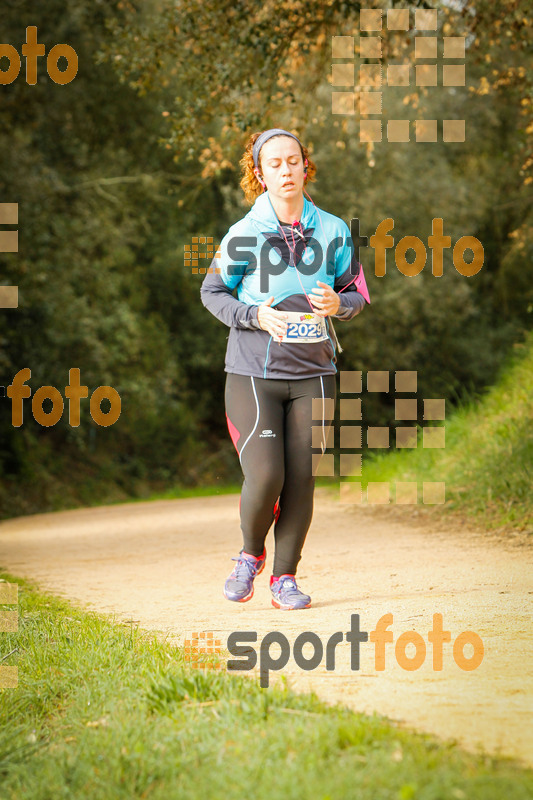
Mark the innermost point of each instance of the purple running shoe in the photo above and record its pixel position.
(239, 585)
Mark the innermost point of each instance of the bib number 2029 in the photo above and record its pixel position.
(297, 329)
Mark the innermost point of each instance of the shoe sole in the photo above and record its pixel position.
(289, 608)
(248, 597)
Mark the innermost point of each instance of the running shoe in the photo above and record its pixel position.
(286, 595)
(239, 585)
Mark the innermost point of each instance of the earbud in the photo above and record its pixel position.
(258, 176)
(306, 162)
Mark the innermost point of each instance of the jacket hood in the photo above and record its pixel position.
(263, 216)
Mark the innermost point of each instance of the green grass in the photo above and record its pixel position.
(105, 711)
(487, 463)
(178, 492)
(208, 491)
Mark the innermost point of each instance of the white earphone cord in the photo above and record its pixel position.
(330, 321)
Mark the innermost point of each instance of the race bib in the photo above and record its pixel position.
(304, 328)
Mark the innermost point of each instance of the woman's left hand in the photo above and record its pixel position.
(325, 300)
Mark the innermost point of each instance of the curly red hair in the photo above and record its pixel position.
(249, 182)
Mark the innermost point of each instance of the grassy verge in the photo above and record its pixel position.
(487, 463)
(178, 492)
(102, 711)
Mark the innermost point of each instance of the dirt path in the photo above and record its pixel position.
(164, 564)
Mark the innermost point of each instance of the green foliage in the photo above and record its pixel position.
(117, 170)
(487, 462)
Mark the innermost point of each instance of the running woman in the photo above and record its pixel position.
(293, 267)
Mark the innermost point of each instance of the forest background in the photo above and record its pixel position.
(115, 172)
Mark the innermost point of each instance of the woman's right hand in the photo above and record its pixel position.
(271, 320)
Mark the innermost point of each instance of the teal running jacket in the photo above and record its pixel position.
(255, 262)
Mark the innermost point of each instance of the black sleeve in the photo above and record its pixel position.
(352, 301)
(219, 300)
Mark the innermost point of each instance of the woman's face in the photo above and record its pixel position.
(282, 167)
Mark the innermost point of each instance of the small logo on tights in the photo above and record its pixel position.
(267, 435)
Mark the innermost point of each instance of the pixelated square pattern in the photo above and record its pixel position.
(8, 677)
(398, 74)
(426, 20)
(370, 75)
(405, 380)
(350, 464)
(350, 408)
(425, 47)
(434, 409)
(454, 46)
(9, 620)
(343, 74)
(406, 436)
(370, 47)
(195, 251)
(406, 408)
(453, 130)
(9, 296)
(378, 492)
(426, 130)
(8, 616)
(9, 213)
(342, 103)
(8, 624)
(426, 75)
(433, 492)
(406, 493)
(323, 465)
(370, 19)
(433, 437)
(370, 130)
(318, 433)
(199, 645)
(377, 381)
(9, 593)
(453, 75)
(398, 130)
(342, 47)
(350, 492)
(398, 19)
(323, 408)
(370, 102)
(351, 381)
(9, 241)
(377, 437)
(351, 436)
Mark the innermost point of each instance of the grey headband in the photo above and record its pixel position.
(265, 136)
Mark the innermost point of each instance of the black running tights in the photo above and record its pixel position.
(271, 424)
